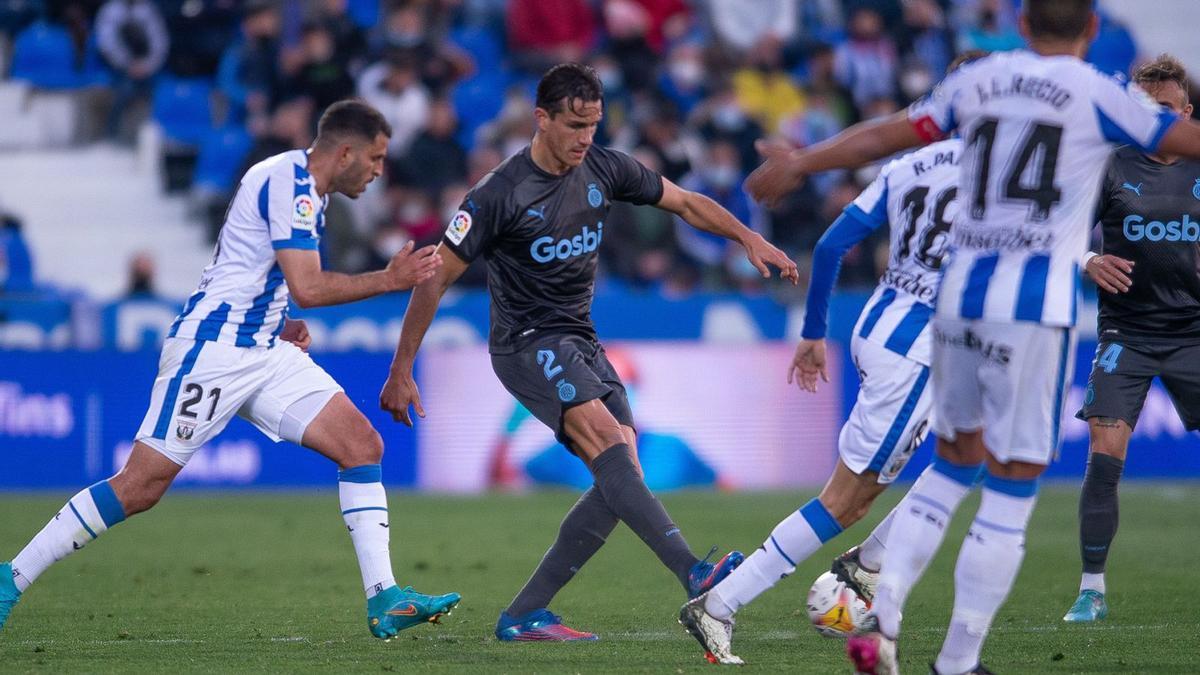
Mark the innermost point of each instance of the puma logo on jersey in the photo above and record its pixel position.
(1135, 189)
(540, 214)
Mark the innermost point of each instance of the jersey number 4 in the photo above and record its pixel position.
(1030, 170)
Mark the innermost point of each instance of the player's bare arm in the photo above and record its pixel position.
(784, 167)
(703, 213)
(312, 286)
(400, 389)
(1182, 139)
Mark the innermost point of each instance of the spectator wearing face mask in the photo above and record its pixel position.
(393, 87)
(866, 63)
(719, 178)
(435, 159)
(320, 74)
(682, 80)
(132, 37)
(249, 70)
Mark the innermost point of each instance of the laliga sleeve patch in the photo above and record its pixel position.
(459, 225)
(304, 213)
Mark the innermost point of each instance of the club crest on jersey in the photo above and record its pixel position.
(566, 391)
(459, 225)
(184, 430)
(1196, 189)
(304, 213)
(595, 198)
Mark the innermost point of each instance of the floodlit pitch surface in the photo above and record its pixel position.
(223, 582)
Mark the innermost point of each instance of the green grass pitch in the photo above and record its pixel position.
(221, 582)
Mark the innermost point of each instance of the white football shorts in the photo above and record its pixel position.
(891, 415)
(1008, 379)
(202, 385)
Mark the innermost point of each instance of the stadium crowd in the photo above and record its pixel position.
(690, 85)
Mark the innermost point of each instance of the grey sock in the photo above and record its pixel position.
(1098, 510)
(626, 493)
(580, 535)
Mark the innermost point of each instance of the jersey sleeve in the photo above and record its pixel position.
(286, 201)
(631, 181)
(479, 219)
(861, 217)
(1128, 116)
(933, 116)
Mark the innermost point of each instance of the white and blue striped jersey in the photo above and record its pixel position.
(1037, 133)
(242, 298)
(915, 196)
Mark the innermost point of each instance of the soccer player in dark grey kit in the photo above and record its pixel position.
(538, 220)
(1149, 212)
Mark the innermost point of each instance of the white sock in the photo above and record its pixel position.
(1094, 582)
(794, 539)
(916, 533)
(364, 509)
(84, 517)
(987, 567)
(870, 552)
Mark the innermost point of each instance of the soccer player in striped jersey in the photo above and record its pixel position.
(915, 197)
(1038, 127)
(233, 351)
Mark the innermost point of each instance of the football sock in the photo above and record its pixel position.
(987, 567)
(365, 512)
(625, 492)
(1098, 513)
(84, 517)
(870, 552)
(916, 533)
(794, 539)
(582, 533)
(1092, 582)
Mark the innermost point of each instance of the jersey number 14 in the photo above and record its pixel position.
(1030, 171)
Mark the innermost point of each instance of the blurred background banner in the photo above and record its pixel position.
(708, 415)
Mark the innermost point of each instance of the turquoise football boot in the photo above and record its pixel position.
(9, 595)
(1089, 606)
(394, 609)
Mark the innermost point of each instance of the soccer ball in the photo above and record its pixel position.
(834, 608)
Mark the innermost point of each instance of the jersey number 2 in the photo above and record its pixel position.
(1030, 175)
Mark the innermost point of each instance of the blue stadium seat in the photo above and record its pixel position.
(221, 155)
(481, 43)
(44, 56)
(95, 72)
(365, 13)
(183, 107)
(478, 100)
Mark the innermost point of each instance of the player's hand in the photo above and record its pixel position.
(295, 331)
(807, 364)
(409, 268)
(399, 392)
(777, 175)
(761, 253)
(1110, 273)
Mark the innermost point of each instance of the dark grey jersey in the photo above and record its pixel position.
(1150, 214)
(539, 234)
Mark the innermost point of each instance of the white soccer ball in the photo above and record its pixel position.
(834, 608)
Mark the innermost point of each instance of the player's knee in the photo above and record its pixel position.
(364, 446)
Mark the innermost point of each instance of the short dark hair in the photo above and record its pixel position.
(352, 117)
(566, 82)
(1165, 68)
(965, 58)
(1058, 19)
